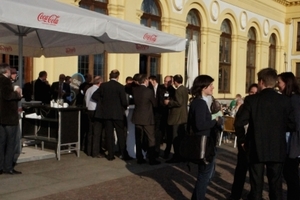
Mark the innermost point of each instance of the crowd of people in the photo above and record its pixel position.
(267, 124)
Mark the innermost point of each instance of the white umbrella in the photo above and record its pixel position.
(46, 27)
(192, 63)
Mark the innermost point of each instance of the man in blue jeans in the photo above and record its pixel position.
(9, 120)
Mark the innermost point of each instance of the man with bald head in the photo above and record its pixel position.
(60, 89)
(163, 89)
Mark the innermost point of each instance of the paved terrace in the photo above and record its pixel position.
(96, 178)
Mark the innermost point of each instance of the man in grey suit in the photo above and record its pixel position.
(143, 118)
(111, 105)
(269, 116)
(177, 119)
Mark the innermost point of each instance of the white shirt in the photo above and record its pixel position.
(155, 89)
(90, 103)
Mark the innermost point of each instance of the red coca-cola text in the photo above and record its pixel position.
(150, 37)
(70, 50)
(48, 19)
(5, 48)
(141, 47)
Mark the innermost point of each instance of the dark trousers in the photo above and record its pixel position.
(109, 134)
(7, 146)
(163, 125)
(89, 136)
(157, 132)
(291, 176)
(274, 175)
(97, 137)
(175, 133)
(205, 173)
(18, 145)
(140, 132)
(239, 174)
(84, 129)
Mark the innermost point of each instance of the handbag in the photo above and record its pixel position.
(193, 147)
(198, 148)
(215, 106)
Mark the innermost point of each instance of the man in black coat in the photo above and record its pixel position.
(143, 118)
(9, 120)
(42, 89)
(60, 89)
(269, 116)
(111, 107)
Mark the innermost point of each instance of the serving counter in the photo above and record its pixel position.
(60, 126)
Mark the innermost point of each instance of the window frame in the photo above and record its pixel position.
(250, 69)
(224, 64)
(149, 18)
(90, 69)
(272, 52)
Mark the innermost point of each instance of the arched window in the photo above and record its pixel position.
(192, 33)
(251, 57)
(93, 64)
(150, 63)
(272, 51)
(225, 57)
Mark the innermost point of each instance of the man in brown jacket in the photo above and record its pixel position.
(177, 119)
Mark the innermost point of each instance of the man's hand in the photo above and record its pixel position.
(243, 146)
(166, 101)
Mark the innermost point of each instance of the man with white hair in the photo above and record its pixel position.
(95, 124)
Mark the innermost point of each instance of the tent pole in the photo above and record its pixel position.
(20, 60)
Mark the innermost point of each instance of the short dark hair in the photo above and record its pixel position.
(137, 77)
(114, 74)
(128, 78)
(153, 77)
(200, 82)
(67, 78)
(268, 76)
(178, 78)
(42, 73)
(142, 78)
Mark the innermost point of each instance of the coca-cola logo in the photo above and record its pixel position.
(150, 37)
(141, 47)
(5, 48)
(70, 50)
(48, 19)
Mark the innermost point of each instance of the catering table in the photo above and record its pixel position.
(60, 126)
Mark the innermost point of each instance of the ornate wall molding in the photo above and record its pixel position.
(288, 3)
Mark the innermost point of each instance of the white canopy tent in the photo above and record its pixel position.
(46, 27)
(192, 63)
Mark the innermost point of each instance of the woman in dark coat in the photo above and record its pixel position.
(288, 86)
(201, 123)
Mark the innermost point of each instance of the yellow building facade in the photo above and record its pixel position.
(236, 38)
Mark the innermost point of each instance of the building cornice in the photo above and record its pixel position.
(288, 3)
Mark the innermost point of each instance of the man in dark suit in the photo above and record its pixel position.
(42, 89)
(158, 93)
(177, 119)
(143, 118)
(111, 109)
(9, 120)
(269, 116)
(164, 89)
(60, 89)
(242, 165)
